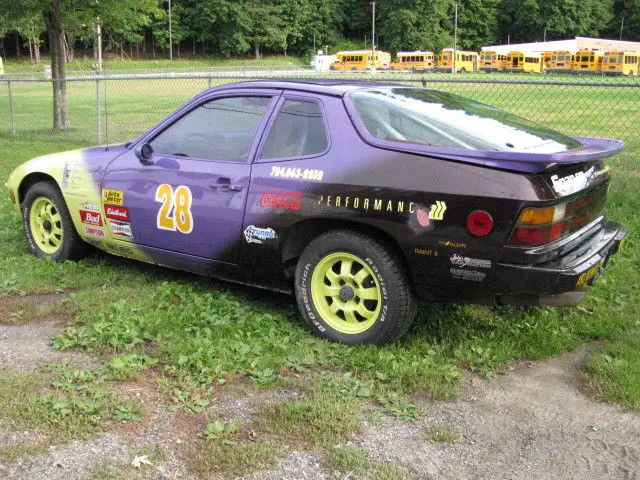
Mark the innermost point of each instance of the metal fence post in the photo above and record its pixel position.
(98, 129)
(209, 80)
(11, 114)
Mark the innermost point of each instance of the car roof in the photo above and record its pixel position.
(323, 86)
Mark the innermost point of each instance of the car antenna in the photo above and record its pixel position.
(106, 119)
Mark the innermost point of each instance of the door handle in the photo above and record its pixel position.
(223, 184)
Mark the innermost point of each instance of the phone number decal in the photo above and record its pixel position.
(297, 173)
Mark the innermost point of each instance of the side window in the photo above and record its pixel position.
(221, 129)
(298, 130)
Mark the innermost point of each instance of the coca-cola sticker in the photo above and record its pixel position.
(280, 199)
(91, 218)
(116, 213)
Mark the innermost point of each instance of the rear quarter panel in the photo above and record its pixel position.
(393, 193)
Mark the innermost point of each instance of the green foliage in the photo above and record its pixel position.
(218, 429)
(441, 434)
(352, 461)
(210, 460)
(614, 372)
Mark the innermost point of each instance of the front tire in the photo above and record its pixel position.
(352, 289)
(47, 224)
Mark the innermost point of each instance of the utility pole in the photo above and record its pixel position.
(544, 35)
(365, 41)
(455, 38)
(99, 38)
(373, 36)
(170, 34)
(621, 27)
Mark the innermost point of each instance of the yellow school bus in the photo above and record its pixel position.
(561, 62)
(490, 61)
(1, 67)
(413, 61)
(465, 61)
(620, 63)
(360, 60)
(546, 59)
(588, 61)
(525, 62)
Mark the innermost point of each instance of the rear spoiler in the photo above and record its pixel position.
(592, 149)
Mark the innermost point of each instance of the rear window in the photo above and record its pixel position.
(433, 118)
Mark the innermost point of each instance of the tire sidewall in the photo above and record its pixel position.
(377, 333)
(47, 190)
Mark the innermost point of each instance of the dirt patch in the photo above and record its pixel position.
(21, 309)
(28, 346)
(535, 423)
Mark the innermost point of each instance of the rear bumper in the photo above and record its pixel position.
(563, 281)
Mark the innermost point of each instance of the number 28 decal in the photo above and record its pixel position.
(175, 212)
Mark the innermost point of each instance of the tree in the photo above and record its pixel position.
(56, 14)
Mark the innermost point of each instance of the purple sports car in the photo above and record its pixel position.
(359, 197)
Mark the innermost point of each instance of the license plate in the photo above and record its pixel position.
(590, 274)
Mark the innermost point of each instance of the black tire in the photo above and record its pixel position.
(71, 246)
(398, 305)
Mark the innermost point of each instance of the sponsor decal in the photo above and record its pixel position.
(122, 229)
(472, 275)
(366, 204)
(572, 183)
(118, 248)
(91, 218)
(453, 244)
(95, 231)
(66, 172)
(280, 199)
(461, 261)
(436, 211)
(422, 251)
(116, 213)
(94, 207)
(297, 173)
(255, 234)
(114, 197)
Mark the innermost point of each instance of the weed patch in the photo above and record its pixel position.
(352, 462)
(441, 434)
(614, 373)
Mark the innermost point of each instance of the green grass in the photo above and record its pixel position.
(357, 464)
(441, 434)
(210, 459)
(204, 333)
(113, 64)
(614, 373)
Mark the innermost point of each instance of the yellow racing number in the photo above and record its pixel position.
(175, 211)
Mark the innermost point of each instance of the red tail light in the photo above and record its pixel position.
(479, 223)
(539, 226)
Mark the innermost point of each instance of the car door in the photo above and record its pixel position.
(186, 193)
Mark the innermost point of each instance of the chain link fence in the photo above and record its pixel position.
(116, 108)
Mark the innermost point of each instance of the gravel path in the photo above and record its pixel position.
(535, 423)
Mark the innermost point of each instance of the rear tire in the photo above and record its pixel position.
(353, 289)
(47, 224)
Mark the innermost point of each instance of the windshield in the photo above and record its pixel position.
(429, 117)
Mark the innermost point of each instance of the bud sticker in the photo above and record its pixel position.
(114, 197)
(91, 218)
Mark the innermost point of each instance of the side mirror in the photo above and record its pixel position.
(144, 154)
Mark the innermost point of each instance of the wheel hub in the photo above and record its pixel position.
(346, 293)
(46, 225)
